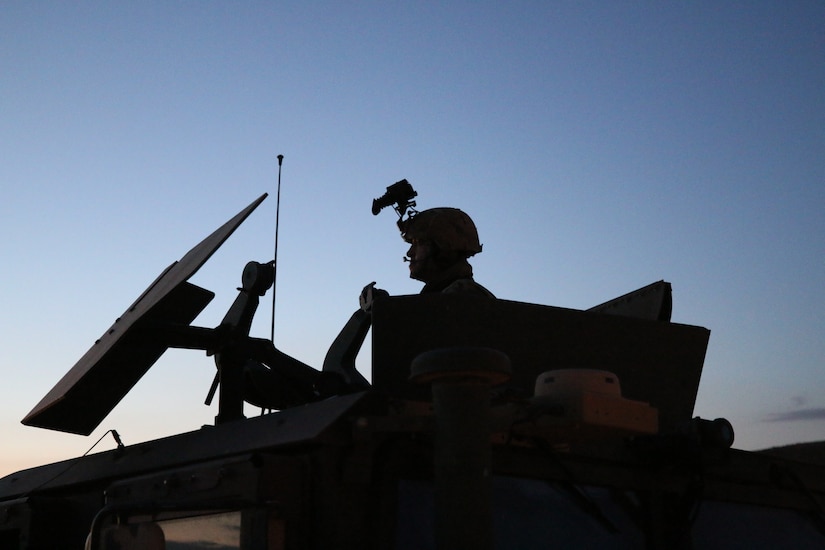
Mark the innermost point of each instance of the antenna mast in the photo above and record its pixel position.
(275, 260)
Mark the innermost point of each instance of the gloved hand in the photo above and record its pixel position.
(368, 294)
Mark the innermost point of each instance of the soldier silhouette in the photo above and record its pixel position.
(441, 242)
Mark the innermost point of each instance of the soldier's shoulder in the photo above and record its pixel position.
(468, 286)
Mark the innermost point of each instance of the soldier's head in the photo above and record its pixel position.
(440, 239)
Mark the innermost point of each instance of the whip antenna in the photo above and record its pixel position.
(275, 260)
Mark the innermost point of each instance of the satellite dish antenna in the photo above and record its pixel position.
(157, 320)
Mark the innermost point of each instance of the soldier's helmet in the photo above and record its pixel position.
(449, 228)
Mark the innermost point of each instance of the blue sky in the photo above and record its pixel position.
(598, 146)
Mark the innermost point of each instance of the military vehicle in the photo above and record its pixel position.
(487, 423)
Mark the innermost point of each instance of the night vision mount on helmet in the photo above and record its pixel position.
(450, 229)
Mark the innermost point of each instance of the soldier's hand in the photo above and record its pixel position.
(368, 295)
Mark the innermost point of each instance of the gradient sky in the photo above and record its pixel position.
(599, 146)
